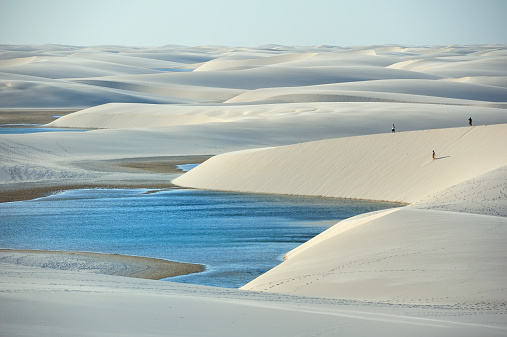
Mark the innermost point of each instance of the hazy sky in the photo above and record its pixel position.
(253, 22)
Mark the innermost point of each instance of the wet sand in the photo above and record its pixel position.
(28, 191)
(107, 264)
(144, 164)
(21, 117)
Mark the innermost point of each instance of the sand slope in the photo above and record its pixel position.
(400, 256)
(72, 304)
(393, 90)
(331, 119)
(395, 167)
(483, 194)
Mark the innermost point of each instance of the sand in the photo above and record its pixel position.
(38, 301)
(397, 256)
(274, 119)
(402, 256)
(106, 264)
(23, 118)
(166, 165)
(393, 167)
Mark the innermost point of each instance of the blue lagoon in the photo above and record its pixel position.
(238, 236)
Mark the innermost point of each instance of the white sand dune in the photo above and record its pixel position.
(58, 157)
(281, 119)
(332, 119)
(16, 61)
(395, 167)
(415, 91)
(262, 77)
(56, 68)
(299, 76)
(35, 301)
(483, 194)
(222, 65)
(194, 130)
(177, 92)
(221, 73)
(498, 81)
(401, 256)
(44, 94)
(492, 66)
(124, 115)
(124, 60)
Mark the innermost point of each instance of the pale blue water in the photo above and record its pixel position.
(237, 236)
(186, 167)
(5, 130)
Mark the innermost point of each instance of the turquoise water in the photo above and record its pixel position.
(237, 236)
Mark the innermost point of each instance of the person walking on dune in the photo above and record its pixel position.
(433, 154)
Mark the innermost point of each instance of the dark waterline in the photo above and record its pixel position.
(237, 236)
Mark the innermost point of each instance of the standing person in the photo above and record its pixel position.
(433, 154)
(393, 129)
(470, 121)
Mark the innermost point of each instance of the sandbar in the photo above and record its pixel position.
(168, 164)
(99, 263)
(21, 117)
